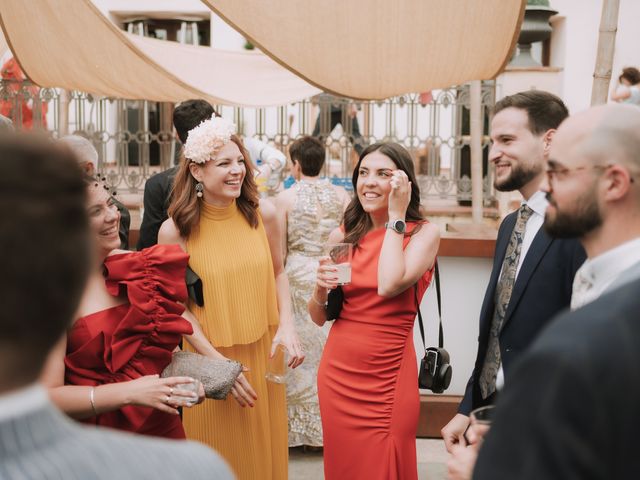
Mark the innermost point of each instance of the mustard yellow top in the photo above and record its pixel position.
(234, 262)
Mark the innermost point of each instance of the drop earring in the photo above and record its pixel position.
(199, 189)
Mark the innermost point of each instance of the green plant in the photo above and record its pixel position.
(538, 3)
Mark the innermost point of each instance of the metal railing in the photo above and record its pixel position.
(135, 139)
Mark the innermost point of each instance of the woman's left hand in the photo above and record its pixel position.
(400, 195)
(286, 335)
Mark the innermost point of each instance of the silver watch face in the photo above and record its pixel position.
(399, 226)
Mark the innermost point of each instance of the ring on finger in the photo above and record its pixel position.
(170, 390)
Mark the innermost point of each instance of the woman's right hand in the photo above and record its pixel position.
(153, 391)
(242, 390)
(327, 274)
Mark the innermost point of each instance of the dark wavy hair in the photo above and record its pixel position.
(356, 221)
(185, 204)
(631, 74)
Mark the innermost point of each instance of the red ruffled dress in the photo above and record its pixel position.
(136, 338)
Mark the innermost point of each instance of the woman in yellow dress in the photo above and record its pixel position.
(233, 240)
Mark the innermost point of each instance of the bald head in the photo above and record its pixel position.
(593, 176)
(84, 151)
(604, 134)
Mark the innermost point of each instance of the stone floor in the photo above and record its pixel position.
(432, 462)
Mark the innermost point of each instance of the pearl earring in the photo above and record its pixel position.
(199, 189)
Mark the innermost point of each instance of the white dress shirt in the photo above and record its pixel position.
(596, 274)
(538, 203)
(22, 401)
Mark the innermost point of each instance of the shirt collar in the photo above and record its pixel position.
(24, 400)
(604, 268)
(538, 203)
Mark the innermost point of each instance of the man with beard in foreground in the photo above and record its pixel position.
(532, 273)
(571, 411)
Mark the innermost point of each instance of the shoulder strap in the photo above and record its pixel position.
(441, 332)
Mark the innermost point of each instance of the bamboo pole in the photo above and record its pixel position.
(476, 150)
(606, 48)
(63, 113)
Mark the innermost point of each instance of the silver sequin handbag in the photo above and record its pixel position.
(217, 376)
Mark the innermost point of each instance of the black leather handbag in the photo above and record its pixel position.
(435, 370)
(194, 287)
(334, 303)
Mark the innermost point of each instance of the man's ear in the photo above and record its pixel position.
(547, 138)
(196, 171)
(619, 181)
(89, 168)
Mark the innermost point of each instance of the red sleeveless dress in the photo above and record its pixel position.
(368, 376)
(136, 338)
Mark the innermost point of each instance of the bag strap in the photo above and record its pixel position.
(441, 332)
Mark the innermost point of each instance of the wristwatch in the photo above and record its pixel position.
(397, 226)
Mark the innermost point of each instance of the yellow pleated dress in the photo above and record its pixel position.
(240, 318)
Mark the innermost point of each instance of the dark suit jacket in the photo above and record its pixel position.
(157, 192)
(542, 289)
(572, 409)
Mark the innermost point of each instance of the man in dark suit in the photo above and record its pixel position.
(532, 273)
(157, 190)
(46, 254)
(571, 410)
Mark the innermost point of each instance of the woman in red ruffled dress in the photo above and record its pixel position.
(130, 320)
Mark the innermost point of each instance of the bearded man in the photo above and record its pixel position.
(533, 273)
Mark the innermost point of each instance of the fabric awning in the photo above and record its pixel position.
(72, 45)
(3, 45)
(374, 49)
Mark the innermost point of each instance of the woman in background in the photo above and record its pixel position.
(235, 247)
(367, 380)
(309, 211)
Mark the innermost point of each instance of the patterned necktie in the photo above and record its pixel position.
(487, 381)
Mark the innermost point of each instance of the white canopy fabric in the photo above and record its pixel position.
(374, 49)
(70, 44)
(3, 45)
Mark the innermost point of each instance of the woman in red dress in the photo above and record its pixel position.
(367, 380)
(130, 321)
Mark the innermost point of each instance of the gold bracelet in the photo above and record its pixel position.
(320, 304)
(93, 401)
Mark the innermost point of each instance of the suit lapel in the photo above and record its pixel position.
(540, 245)
(502, 242)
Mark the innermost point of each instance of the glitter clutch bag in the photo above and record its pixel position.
(217, 376)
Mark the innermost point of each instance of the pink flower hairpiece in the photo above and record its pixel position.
(207, 138)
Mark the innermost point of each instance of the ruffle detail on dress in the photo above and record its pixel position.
(138, 338)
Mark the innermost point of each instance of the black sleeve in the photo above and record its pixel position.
(548, 424)
(466, 405)
(155, 200)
